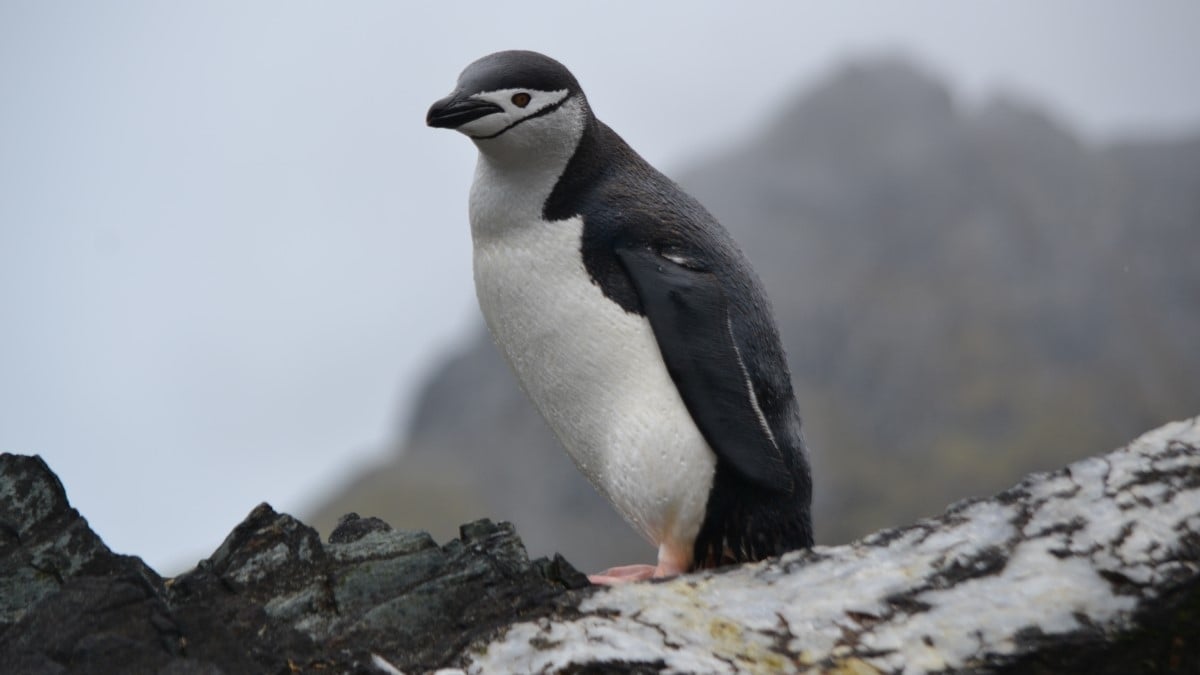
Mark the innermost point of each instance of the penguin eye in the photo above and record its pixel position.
(521, 99)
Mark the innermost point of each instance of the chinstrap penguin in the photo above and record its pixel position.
(632, 321)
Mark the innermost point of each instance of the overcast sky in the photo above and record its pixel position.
(230, 249)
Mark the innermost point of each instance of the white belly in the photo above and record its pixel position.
(595, 373)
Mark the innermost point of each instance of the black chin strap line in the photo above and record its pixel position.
(544, 111)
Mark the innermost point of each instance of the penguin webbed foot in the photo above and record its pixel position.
(668, 566)
(623, 574)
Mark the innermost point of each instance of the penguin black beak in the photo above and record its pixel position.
(456, 110)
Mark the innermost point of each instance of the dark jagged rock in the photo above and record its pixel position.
(1094, 568)
(68, 603)
(272, 598)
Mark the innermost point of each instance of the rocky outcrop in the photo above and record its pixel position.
(272, 599)
(1094, 568)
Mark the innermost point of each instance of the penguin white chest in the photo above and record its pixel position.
(595, 373)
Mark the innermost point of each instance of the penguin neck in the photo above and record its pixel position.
(515, 176)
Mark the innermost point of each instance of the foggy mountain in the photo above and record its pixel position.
(966, 294)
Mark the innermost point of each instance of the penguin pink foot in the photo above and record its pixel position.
(670, 564)
(623, 574)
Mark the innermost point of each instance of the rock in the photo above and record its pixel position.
(1094, 568)
(272, 598)
(68, 603)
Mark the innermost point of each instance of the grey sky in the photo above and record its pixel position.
(229, 247)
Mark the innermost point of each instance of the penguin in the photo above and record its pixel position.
(632, 321)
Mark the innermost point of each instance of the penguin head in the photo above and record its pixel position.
(514, 101)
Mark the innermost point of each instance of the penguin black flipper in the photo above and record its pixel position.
(689, 314)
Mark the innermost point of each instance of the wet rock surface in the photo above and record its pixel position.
(1094, 568)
